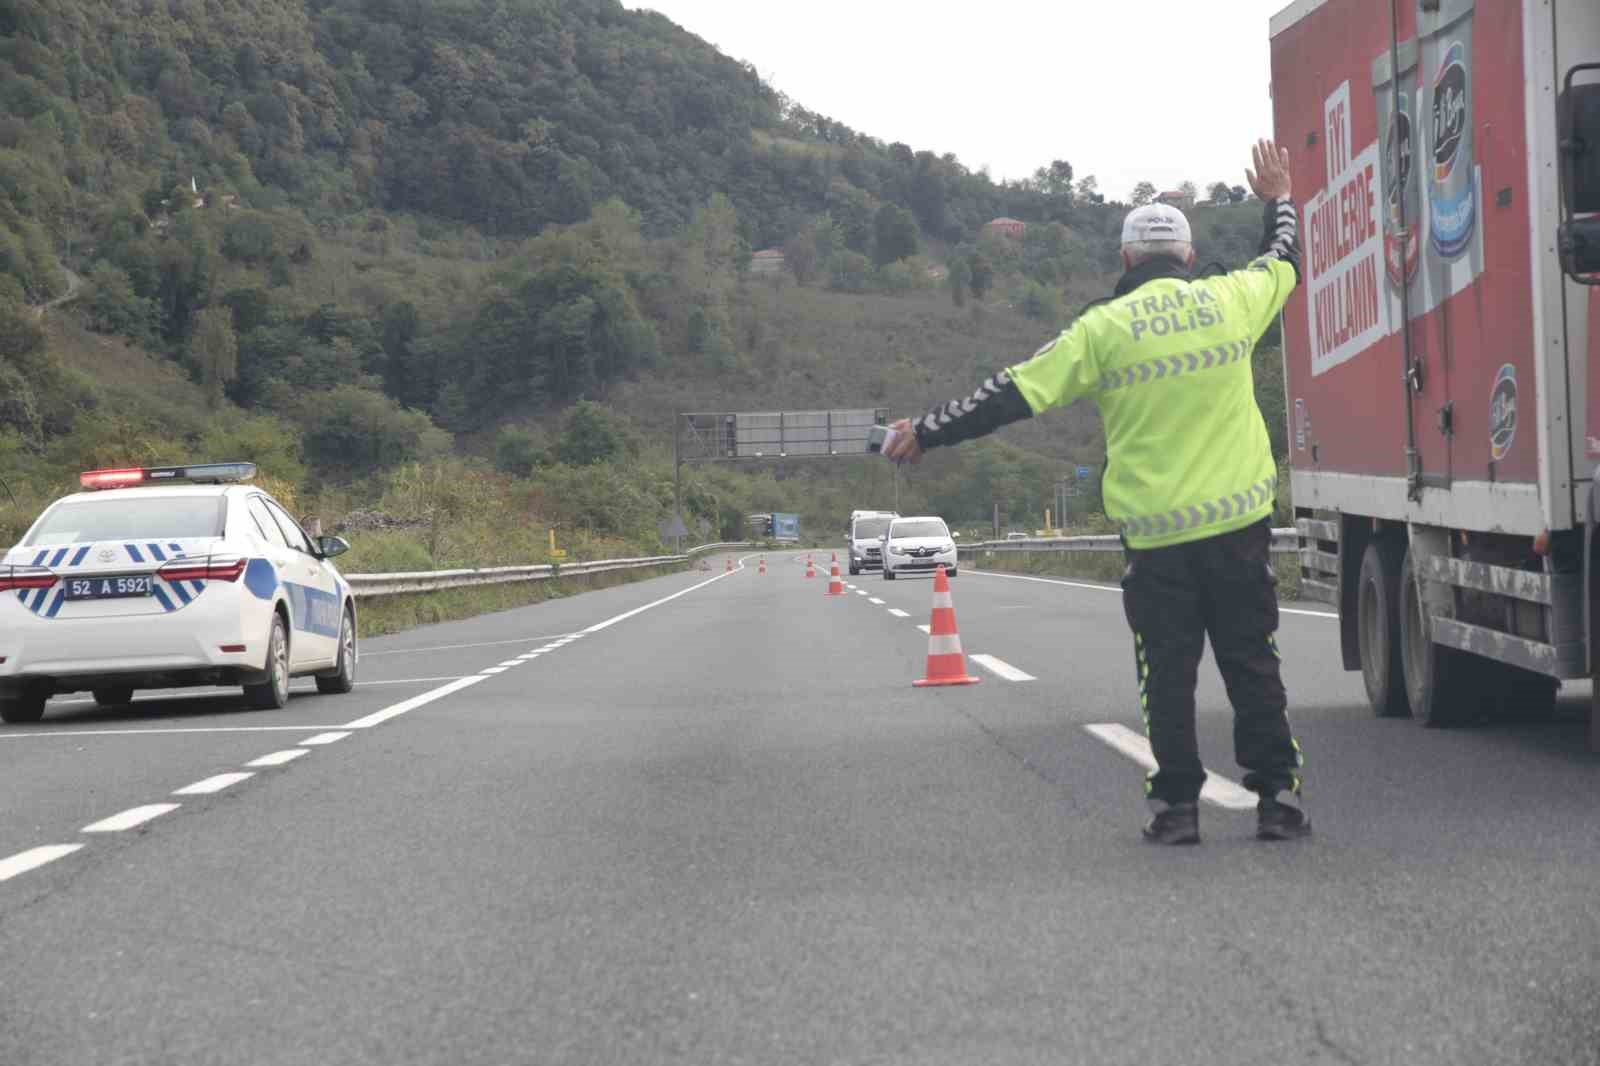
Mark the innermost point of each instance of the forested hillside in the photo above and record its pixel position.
(347, 237)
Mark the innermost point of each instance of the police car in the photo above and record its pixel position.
(168, 577)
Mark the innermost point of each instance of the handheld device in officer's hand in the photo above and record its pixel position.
(879, 438)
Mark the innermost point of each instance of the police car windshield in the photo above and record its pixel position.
(150, 518)
(870, 528)
(928, 527)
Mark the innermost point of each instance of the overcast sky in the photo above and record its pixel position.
(1157, 90)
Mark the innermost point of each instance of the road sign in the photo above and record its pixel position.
(1084, 471)
(732, 435)
(786, 527)
(672, 527)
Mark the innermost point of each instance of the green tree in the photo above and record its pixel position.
(980, 274)
(1217, 192)
(849, 271)
(895, 234)
(517, 451)
(958, 276)
(1143, 193)
(214, 351)
(593, 435)
(348, 430)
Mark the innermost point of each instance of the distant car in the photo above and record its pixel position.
(1014, 535)
(147, 582)
(918, 545)
(866, 539)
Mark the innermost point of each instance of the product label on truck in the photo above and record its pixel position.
(1348, 309)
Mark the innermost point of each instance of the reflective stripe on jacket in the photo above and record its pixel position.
(1168, 364)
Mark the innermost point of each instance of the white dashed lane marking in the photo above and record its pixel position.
(1217, 789)
(131, 818)
(1001, 668)
(278, 758)
(898, 613)
(212, 784)
(33, 858)
(323, 738)
(512, 662)
(924, 628)
(874, 599)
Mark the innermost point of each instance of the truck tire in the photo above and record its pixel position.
(1378, 625)
(1444, 686)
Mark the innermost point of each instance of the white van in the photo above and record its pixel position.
(864, 538)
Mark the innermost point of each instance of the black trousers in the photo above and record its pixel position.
(1222, 587)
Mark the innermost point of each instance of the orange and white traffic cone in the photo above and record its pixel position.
(811, 571)
(763, 569)
(836, 583)
(728, 566)
(947, 665)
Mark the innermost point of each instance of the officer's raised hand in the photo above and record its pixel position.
(1270, 178)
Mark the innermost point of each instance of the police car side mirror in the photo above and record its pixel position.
(328, 547)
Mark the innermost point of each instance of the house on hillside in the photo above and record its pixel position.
(767, 261)
(1176, 198)
(1006, 227)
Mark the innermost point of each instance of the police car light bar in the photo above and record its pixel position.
(205, 473)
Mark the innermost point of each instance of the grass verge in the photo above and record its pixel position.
(395, 614)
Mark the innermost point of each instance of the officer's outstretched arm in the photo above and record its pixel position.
(1058, 373)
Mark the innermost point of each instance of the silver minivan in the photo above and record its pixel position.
(865, 539)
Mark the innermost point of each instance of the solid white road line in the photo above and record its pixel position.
(1217, 789)
(455, 647)
(33, 858)
(278, 758)
(157, 732)
(213, 784)
(1001, 668)
(128, 819)
(323, 738)
(925, 628)
(1118, 589)
(413, 703)
(898, 613)
(874, 599)
(494, 670)
(212, 693)
(598, 626)
(512, 662)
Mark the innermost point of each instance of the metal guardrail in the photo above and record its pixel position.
(367, 586)
(1285, 540)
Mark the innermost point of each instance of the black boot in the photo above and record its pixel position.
(1174, 823)
(1276, 820)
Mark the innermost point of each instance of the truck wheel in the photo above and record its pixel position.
(1378, 625)
(1443, 685)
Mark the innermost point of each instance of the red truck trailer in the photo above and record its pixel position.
(1444, 424)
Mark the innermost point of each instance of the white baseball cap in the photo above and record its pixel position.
(1155, 222)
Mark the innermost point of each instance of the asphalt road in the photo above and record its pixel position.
(722, 827)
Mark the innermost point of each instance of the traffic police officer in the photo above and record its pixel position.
(1190, 480)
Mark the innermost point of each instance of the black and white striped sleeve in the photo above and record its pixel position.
(1280, 237)
(997, 403)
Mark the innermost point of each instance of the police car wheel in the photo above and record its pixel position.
(273, 693)
(113, 697)
(22, 708)
(342, 679)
